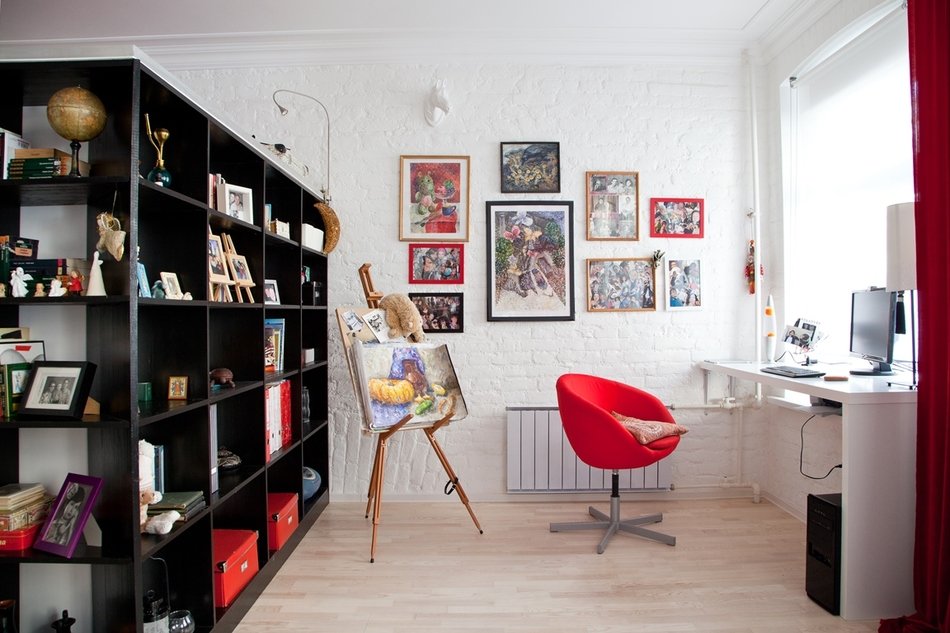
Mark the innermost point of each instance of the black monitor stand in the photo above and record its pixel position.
(878, 368)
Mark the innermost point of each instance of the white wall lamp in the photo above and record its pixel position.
(331, 223)
(437, 104)
(902, 270)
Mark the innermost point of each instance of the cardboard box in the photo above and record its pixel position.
(235, 563)
(18, 540)
(282, 518)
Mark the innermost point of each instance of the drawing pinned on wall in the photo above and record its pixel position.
(397, 379)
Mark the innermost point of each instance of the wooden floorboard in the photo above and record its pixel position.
(737, 567)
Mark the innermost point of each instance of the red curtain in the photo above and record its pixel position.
(929, 26)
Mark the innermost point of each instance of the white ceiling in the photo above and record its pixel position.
(240, 32)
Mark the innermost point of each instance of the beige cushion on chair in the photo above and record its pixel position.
(646, 431)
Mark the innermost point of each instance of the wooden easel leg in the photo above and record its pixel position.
(378, 496)
(371, 493)
(453, 483)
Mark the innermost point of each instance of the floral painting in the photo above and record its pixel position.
(433, 198)
(530, 167)
(530, 261)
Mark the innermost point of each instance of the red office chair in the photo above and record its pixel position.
(600, 440)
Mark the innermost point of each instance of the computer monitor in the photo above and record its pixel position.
(873, 316)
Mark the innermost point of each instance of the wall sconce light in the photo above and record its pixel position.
(331, 223)
(437, 103)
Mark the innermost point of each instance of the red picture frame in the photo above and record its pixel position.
(437, 263)
(677, 217)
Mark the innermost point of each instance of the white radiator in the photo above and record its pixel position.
(540, 459)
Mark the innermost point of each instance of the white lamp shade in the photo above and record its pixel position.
(901, 247)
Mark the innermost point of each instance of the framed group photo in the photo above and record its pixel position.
(217, 272)
(684, 287)
(530, 260)
(441, 312)
(621, 285)
(237, 202)
(613, 210)
(57, 389)
(676, 217)
(434, 198)
(436, 263)
(68, 515)
(531, 167)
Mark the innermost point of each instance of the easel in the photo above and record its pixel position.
(245, 284)
(374, 496)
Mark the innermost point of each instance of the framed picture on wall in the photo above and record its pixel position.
(436, 263)
(684, 286)
(621, 285)
(441, 312)
(433, 198)
(531, 167)
(530, 260)
(613, 210)
(676, 217)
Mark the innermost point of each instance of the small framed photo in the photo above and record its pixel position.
(621, 285)
(171, 285)
(67, 517)
(684, 286)
(178, 387)
(531, 167)
(436, 263)
(217, 270)
(57, 389)
(676, 217)
(145, 290)
(433, 198)
(613, 211)
(441, 312)
(240, 270)
(238, 202)
(271, 295)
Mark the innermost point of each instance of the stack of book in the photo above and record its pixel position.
(187, 504)
(23, 507)
(277, 417)
(274, 345)
(42, 162)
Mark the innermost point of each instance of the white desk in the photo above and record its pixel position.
(879, 461)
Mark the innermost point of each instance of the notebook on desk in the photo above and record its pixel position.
(793, 372)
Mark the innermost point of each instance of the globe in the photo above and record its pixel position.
(76, 114)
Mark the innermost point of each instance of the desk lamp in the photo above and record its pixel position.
(902, 270)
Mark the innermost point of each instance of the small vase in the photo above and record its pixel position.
(7, 617)
(181, 621)
(159, 175)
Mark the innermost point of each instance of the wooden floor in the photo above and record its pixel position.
(737, 567)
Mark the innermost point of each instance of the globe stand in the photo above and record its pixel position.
(74, 169)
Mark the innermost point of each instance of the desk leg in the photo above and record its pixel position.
(453, 479)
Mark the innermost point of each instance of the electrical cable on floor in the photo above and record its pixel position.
(801, 455)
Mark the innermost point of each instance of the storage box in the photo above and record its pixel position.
(235, 563)
(311, 237)
(282, 518)
(16, 540)
(33, 512)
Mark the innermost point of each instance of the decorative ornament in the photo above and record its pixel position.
(95, 288)
(657, 258)
(437, 104)
(331, 224)
(64, 625)
(159, 175)
(111, 235)
(750, 268)
(77, 115)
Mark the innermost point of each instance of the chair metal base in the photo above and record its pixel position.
(613, 523)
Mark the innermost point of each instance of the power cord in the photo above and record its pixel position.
(801, 455)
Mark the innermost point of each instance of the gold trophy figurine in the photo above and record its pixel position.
(159, 175)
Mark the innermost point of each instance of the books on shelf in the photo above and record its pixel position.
(41, 163)
(278, 417)
(9, 143)
(176, 500)
(26, 514)
(274, 344)
(17, 495)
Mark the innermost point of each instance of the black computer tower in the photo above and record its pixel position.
(823, 551)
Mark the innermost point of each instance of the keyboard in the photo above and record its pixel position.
(793, 372)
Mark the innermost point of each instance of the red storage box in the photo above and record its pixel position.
(282, 518)
(235, 563)
(17, 540)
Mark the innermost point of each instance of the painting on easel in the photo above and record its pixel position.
(397, 379)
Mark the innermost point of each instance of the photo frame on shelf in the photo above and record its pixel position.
(621, 284)
(178, 387)
(684, 287)
(436, 263)
(531, 167)
(240, 270)
(68, 515)
(677, 217)
(434, 198)
(271, 294)
(21, 352)
(613, 208)
(57, 389)
(145, 289)
(15, 377)
(441, 312)
(217, 268)
(530, 260)
(237, 202)
(171, 285)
